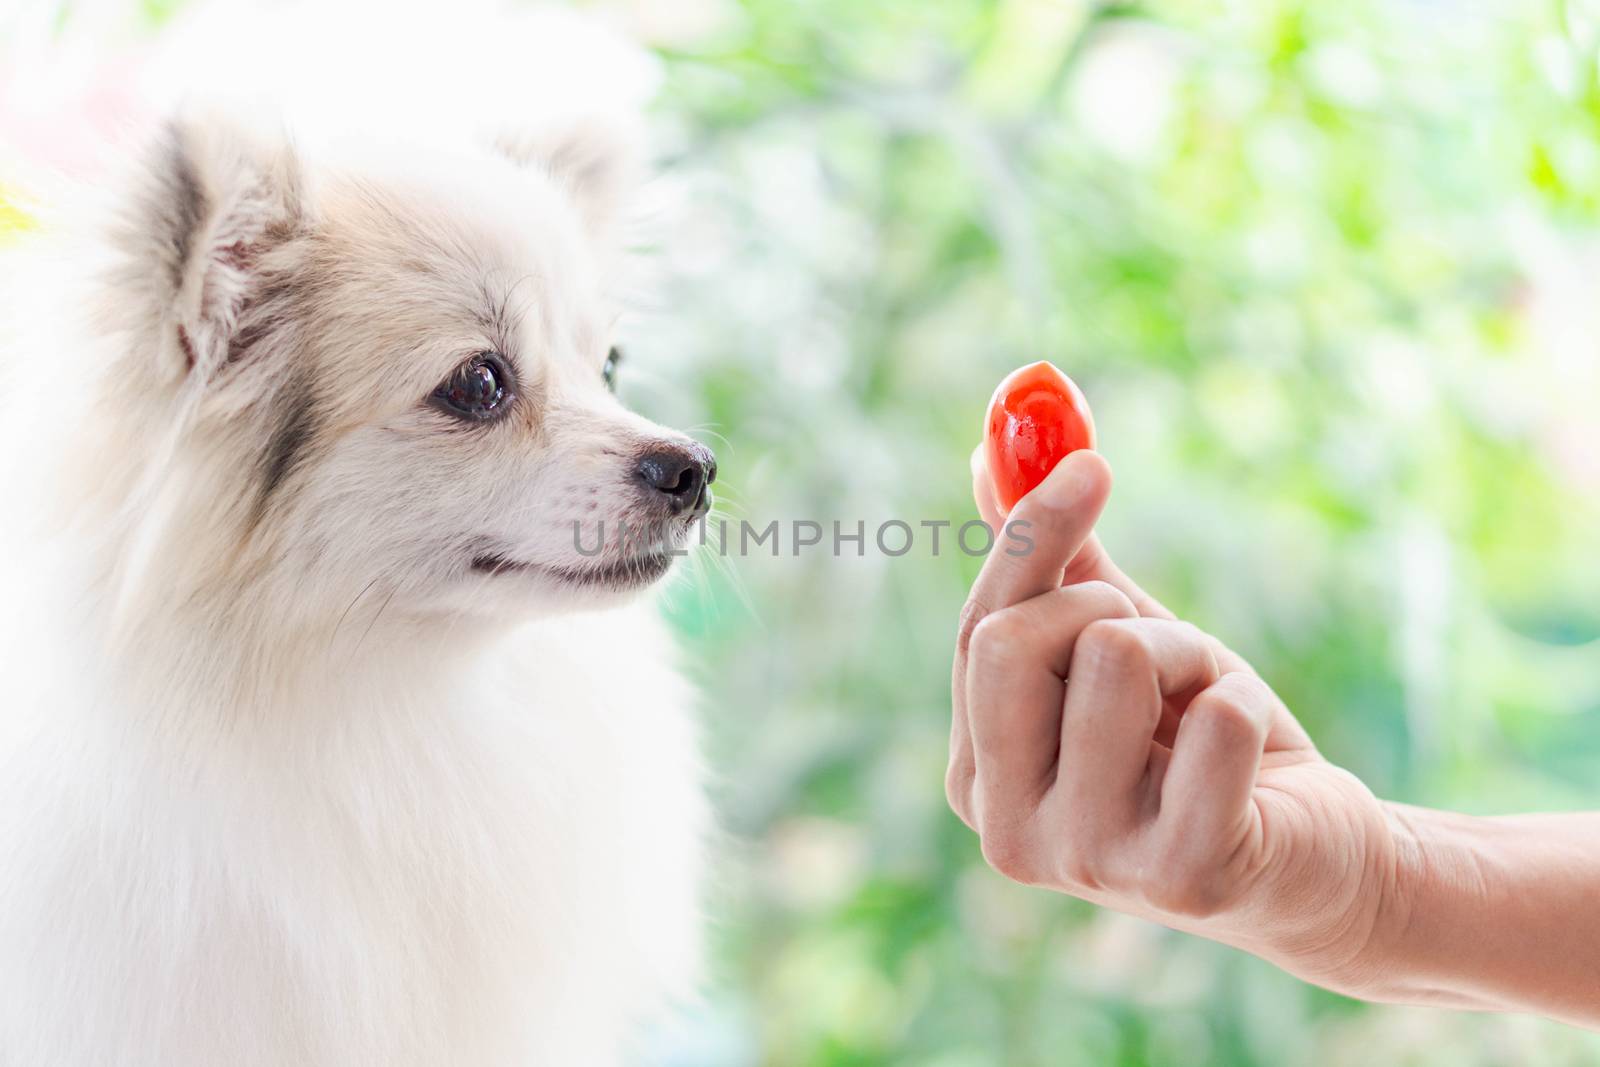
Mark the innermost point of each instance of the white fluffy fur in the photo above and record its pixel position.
(282, 780)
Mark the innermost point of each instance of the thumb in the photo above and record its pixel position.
(1091, 563)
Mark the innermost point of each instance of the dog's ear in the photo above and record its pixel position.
(597, 159)
(217, 200)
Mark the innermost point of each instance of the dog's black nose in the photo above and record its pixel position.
(680, 474)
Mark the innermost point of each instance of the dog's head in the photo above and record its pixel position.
(391, 373)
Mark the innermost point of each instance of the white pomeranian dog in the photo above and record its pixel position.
(325, 738)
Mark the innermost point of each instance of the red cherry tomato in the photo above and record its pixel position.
(1036, 417)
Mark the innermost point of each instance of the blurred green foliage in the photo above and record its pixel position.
(1327, 273)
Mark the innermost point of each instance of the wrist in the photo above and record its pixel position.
(1380, 940)
(1478, 913)
(1422, 865)
(1363, 934)
(1431, 940)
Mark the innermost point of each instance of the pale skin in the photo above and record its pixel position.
(1168, 781)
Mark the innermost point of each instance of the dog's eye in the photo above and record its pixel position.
(477, 390)
(609, 371)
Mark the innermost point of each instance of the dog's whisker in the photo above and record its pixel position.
(706, 428)
(346, 613)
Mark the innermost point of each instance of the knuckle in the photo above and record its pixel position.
(1250, 689)
(1186, 883)
(1105, 600)
(1115, 642)
(1007, 848)
(1229, 708)
(1000, 635)
(958, 788)
(1188, 894)
(1077, 868)
(1192, 636)
(973, 612)
(1079, 856)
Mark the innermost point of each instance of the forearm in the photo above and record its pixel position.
(1499, 914)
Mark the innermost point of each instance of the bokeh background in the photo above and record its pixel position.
(1330, 277)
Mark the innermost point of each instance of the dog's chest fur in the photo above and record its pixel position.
(469, 861)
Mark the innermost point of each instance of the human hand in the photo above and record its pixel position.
(1165, 779)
